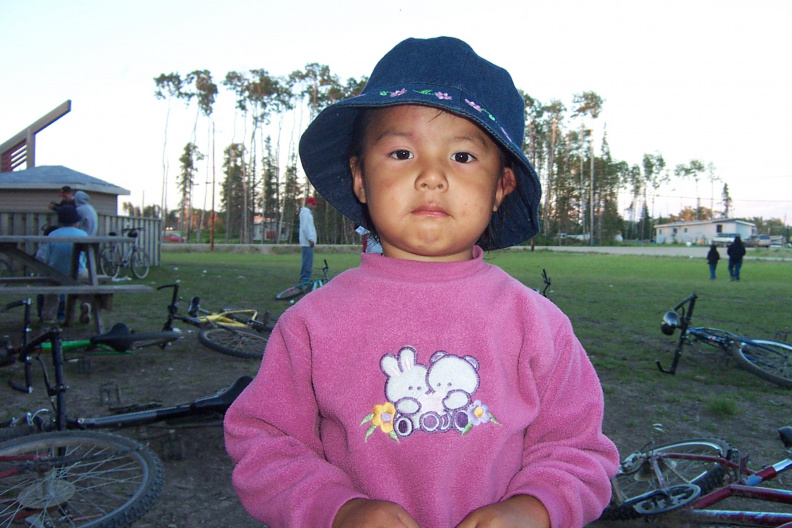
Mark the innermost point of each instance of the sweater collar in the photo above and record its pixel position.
(419, 271)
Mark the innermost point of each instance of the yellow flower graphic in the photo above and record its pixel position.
(383, 417)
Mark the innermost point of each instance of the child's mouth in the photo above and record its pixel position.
(431, 210)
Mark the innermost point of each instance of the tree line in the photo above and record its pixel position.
(581, 187)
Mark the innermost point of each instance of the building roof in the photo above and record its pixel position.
(54, 177)
(706, 222)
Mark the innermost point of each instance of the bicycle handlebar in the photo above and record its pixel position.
(690, 300)
(14, 304)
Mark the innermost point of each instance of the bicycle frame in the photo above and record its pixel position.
(766, 359)
(214, 404)
(304, 287)
(201, 318)
(746, 484)
(100, 345)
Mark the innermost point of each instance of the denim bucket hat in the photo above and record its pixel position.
(445, 73)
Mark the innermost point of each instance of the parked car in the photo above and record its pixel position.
(173, 236)
(758, 241)
(724, 239)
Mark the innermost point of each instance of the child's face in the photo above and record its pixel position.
(431, 181)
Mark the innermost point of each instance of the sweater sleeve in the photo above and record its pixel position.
(272, 437)
(567, 462)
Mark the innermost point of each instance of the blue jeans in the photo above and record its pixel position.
(712, 270)
(734, 269)
(307, 263)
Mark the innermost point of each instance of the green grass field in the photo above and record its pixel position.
(615, 304)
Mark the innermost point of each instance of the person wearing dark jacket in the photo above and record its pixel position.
(712, 259)
(736, 252)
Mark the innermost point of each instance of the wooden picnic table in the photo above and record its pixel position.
(48, 280)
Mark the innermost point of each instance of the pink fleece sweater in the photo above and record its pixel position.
(442, 387)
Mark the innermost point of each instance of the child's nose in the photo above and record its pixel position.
(431, 178)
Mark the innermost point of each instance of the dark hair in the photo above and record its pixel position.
(357, 150)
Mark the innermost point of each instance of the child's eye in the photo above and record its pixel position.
(463, 157)
(401, 154)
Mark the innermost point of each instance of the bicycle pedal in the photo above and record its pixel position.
(172, 446)
(83, 365)
(106, 393)
(85, 313)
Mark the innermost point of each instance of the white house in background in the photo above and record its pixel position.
(701, 232)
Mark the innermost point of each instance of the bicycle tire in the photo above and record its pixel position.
(109, 262)
(233, 341)
(92, 480)
(635, 480)
(770, 360)
(139, 263)
(294, 291)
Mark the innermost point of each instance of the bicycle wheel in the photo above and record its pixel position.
(769, 360)
(234, 342)
(77, 478)
(139, 262)
(294, 291)
(110, 262)
(636, 478)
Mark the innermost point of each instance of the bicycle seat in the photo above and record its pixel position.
(223, 399)
(114, 338)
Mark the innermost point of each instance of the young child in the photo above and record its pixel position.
(425, 388)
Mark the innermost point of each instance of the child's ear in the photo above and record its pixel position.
(506, 184)
(357, 179)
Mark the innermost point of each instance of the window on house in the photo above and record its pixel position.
(719, 228)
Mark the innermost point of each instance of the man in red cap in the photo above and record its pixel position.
(307, 237)
(67, 197)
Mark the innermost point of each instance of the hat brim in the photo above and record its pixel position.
(324, 149)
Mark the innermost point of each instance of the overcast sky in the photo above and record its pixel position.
(692, 79)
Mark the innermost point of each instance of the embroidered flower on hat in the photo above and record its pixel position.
(474, 105)
(443, 96)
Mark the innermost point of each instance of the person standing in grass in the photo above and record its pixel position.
(712, 259)
(736, 252)
(307, 238)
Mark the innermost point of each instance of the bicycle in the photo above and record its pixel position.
(237, 333)
(304, 287)
(679, 480)
(112, 258)
(116, 341)
(60, 472)
(770, 360)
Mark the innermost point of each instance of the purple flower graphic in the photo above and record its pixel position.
(400, 92)
(442, 95)
(478, 413)
(474, 105)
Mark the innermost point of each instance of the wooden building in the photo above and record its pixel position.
(32, 190)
